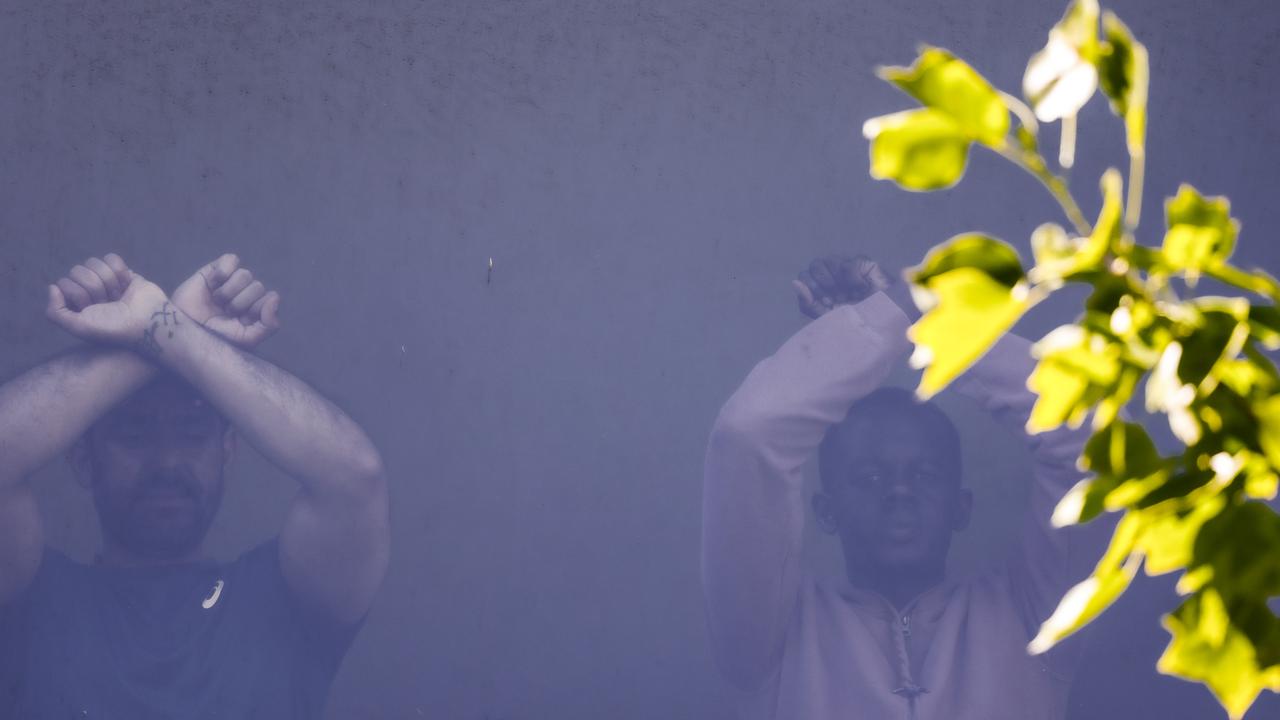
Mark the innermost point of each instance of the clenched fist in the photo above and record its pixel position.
(226, 299)
(837, 280)
(102, 300)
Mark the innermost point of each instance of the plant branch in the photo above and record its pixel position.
(1056, 186)
(1256, 282)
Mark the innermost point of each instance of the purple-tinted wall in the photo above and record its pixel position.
(647, 177)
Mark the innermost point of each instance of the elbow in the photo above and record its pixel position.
(739, 425)
(369, 472)
(364, 479)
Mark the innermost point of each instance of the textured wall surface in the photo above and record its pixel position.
(647, 177)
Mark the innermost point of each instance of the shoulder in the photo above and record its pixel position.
(57, 575)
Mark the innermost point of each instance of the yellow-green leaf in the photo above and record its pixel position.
(1207, 648)
(1124, 74)
(1076, 370)
(1095, 593)
(1061, 78)
(970, 312)
(974, 250)
(1268, 414)
(1108, 229)
(1167, 540)
(918, 149)
(1202, 233)
(943, 82)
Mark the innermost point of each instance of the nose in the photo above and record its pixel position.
(167, 454)
(899, 487)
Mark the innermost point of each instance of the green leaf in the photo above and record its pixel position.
(1224, 636)
(1076, 370)
(1221, 334)
(918, 149)
(969, 311)
(1061, 78)
(1208, 648)
(1108, 230)
(1242, 545)
(1122, 450)
(1201, 235)
(972, 250)
(1264, 323)
(943, 82)
(1268, 414)
(1090, 597)
(1123, 74)
(1168, 540)
(1079, 26)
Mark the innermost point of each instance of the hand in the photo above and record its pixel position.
(102, 300)
(838, 280)
(227, 300)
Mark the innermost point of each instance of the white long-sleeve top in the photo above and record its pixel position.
(798, 648)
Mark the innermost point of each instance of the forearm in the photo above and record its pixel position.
(46, 409)
(286, 420)
(753, 499)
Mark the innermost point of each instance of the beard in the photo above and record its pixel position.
(164, 517)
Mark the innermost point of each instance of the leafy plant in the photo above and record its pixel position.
(1197, 359)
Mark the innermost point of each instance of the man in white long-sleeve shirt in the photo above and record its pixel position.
(899, 639)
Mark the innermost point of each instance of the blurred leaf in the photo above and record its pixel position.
(998, 260)
(1122, 450)
(1225, 636)
(1076, 370)
(1206, 647)
(1108, 229)
(1268, 414)
(1167, 393)
(1061, 77)
(1124, 74)
(1242, 545)
(1168, 540)
(1220, 334)
(1264, 323)
(943, 82)
(971, 310)
(1090, 597)
(918, 149)
(1201, 235)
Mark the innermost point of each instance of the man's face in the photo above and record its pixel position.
(892, 496)
(155, 466)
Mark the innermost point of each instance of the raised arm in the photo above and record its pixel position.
(334, 546)
(753, 501)
(1047, 560)
(46, 409)
(42, 413)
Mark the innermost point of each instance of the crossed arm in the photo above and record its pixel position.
(753, 496)
(334, 546)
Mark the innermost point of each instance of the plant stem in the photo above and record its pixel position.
(1056, 186)
(1256, 281)
(1133, 208)
(1067, 143)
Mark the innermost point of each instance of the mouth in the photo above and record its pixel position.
(164, 499)
(901, 526)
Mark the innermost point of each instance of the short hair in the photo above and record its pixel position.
(896, 403)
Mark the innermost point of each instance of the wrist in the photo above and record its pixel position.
(899, 291)
(163, 323)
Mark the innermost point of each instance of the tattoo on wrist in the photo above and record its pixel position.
(163, 321)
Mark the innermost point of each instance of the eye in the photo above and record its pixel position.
(870, 478)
